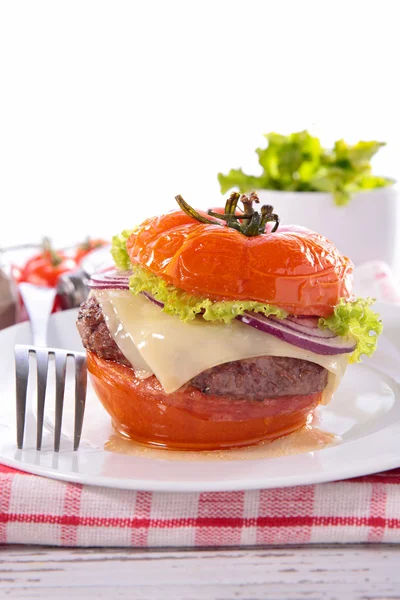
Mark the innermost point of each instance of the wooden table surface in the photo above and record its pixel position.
(354, 572)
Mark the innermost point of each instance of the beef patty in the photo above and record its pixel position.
(95, 334)
(252, 378)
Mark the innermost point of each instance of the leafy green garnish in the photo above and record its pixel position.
(187, 306)
(355, 319)
(298, 162)
(119, 251)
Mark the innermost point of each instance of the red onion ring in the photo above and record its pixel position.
(315, 332)
(327, 346)
(110, 278)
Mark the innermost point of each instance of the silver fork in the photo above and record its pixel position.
(39, 303)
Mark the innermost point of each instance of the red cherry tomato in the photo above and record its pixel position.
(45, 268)
(87, 246)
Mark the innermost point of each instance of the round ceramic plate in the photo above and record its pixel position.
(364, 414)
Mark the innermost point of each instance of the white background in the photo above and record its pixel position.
(110, 109)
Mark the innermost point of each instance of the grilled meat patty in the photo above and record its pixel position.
(251, 378)
(263, 377)
(95, 334)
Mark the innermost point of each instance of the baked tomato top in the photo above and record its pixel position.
(293, 268)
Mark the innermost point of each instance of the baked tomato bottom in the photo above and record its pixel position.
(188, 419)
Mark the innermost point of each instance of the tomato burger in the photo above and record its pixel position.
(220, 329)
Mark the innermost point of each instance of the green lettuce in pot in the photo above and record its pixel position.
(298, 162)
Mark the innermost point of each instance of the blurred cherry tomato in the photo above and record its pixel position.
(87, 246)
(45, 268)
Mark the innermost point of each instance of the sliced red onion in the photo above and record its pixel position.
(296, 324)
(104, 286)
(152, 299)
(309, 322)
(332, 345)
(109, 279)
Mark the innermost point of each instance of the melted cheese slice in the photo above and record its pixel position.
(155, 342)
(121, 332)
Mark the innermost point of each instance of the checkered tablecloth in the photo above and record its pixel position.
(36, 510)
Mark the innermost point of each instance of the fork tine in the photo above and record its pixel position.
(61, 366)
(80, 396)
(21, 373)
(42, 361)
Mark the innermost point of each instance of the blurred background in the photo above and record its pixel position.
(110, 109)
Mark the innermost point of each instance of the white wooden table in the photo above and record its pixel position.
(356, 572)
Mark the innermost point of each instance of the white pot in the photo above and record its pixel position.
(365, 229)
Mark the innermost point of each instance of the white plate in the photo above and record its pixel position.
(365, 412)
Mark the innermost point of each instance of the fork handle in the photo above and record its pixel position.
(39, 302)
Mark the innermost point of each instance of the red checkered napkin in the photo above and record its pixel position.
(35, 510)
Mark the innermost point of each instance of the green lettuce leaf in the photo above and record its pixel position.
(290, 161)
(187, 306)
(298, 162)
(357, 320)
(118, 250)
(236, 178)
(370, 182)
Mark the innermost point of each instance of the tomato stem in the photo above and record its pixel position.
(85, 245)
(231, 203)
(250, 222)
(55, 257)
(267, 215)
(247, 202)
(191, 212)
